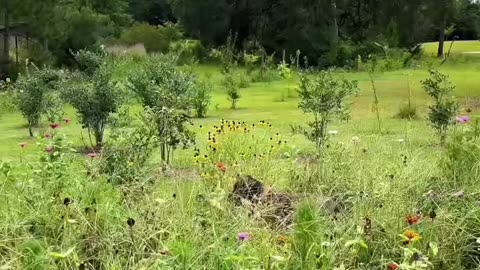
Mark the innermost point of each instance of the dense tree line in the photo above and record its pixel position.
(324, 30)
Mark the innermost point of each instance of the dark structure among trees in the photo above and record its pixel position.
(13, 37)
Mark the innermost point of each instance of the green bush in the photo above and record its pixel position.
(202, 99)
(154, 38)
(34, 94)
(187, 50)
(125, 155)
(231, 87)
(167, 94)
(324, 96)
(94, 96)
(444, 109)
(407, 112)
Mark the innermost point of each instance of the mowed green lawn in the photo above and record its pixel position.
(263, 101)
(459, 47)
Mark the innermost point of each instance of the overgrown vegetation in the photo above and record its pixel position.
(233, 189)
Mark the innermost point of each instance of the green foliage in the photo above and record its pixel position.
(34, 255)
(88, 62)
(202, 99)
(444, 109)
(324, 96)
(462, 162)
(308, 240)
(407, 111)
(170, 124)
(231, 87)
(125, 155)
(95, 96)
(284, 71)
(154, 38)
(167, 93)
(205, 20)
(35, 93)
(7, 103)
(188, 50)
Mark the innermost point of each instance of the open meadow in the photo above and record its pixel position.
(252, 191)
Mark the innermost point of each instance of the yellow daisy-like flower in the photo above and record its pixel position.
(411, 236)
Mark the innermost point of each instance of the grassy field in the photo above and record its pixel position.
(270, 102)
(459, 47)
(350, 208)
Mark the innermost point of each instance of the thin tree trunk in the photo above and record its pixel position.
(441, 37)
(5, 61)
(335, 38)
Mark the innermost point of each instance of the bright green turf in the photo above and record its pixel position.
(458, 47)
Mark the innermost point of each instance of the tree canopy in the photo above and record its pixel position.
(323, 30)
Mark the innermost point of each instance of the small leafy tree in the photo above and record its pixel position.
(444, 109)
(324, 96)
(34, 92)
(167, 95)
(201, 99)
(285, 72)
(232, 89)
(95, 95)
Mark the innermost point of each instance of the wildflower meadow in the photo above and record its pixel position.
(151, 162)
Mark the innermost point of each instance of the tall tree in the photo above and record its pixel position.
(442, 13)
(207, 20)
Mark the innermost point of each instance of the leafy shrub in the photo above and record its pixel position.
(324, 96)
(154, 38)
(125, 155)
(266, 72)
(34, 89)
(95, 96)
(230, 85)
(88, 62)
(444, 109)
(188, 50)
(202, 99)
(251, 61)
(284, 71)
(407, 112)
(167, 93)
(243, 80)
(36, 53)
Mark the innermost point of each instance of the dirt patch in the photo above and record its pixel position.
(277, 208)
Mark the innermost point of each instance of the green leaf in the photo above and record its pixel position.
(62, 255)
(434, 248)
